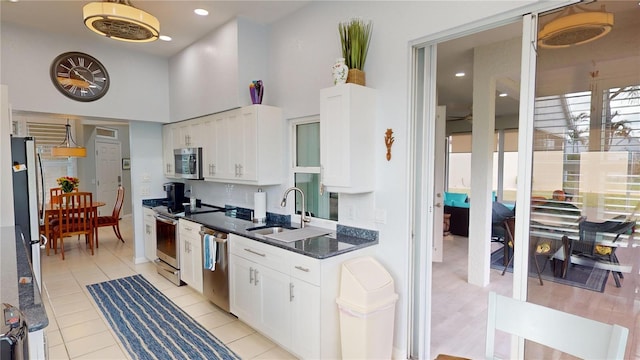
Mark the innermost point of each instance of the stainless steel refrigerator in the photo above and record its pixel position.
(27, 192)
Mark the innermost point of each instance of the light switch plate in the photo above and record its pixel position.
(381, 216)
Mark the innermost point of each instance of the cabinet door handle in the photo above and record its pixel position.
(291, 292)
(302, 268)
(255, 252)
(240, 170)
(255, 277)
(250, 275)
(213, 166)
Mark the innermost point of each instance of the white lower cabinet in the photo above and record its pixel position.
(190, 254)
(305, 319)
(149, 234)
(288, 297)
(273, 291)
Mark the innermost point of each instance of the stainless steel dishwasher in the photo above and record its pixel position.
(215, 272)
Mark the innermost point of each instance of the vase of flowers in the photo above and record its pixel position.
(68, 183)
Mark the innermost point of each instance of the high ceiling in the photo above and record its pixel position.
(178, 21)
(176, 18)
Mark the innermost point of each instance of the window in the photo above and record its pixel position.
(306, 170)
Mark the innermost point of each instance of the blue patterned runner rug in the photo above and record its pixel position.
(151, 326)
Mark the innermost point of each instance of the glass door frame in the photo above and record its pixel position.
(422, 123)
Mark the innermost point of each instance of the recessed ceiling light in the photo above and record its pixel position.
(201, 12)
(165, 38)
(502, 94)
(460, 74)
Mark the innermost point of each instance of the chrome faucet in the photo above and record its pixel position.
(303, 215)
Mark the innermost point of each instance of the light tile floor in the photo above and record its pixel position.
(77, 329)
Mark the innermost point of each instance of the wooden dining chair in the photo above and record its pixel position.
(76, 216)
(54, 194)
(54, 198)
(114, 219)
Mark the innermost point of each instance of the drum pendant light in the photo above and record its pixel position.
(118, 19)
(68, 148)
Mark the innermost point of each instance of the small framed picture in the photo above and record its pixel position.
(126, 163)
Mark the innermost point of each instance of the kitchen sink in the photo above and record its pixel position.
(266, 230)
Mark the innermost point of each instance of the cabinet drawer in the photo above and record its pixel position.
(305, 268)
(148, 214)
(263, 254)
(188, 227)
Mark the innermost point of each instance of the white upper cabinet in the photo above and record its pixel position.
(188, 134)
(167, 151)
(209, 148)
(243, 146)
(249, 146)
(347, 138)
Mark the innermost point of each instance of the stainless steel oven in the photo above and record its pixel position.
(168, 247)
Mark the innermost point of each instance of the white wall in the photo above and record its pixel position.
(213, 74)
(6, 178)
(139, 87)
(302, 49)
(145, 139)
(197, 74)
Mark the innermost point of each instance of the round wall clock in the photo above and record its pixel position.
(79, 76)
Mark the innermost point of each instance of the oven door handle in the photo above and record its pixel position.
(165, 220)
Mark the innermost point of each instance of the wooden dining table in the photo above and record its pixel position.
(50, 211)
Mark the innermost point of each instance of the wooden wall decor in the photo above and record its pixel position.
(388, 141)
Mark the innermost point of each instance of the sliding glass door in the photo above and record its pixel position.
(586, 170)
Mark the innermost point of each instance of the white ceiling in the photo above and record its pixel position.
(558, 70)
(176, 18)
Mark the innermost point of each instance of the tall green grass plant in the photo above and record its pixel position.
(355, 36)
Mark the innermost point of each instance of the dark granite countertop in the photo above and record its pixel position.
(344, 239)
(18, 283)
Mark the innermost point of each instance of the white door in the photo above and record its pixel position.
(438, 182)
(108, 174)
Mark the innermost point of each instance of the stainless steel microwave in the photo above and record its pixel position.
(188, 163)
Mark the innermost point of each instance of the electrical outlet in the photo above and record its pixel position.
(351, 212)
(145, 191)
(146, 178)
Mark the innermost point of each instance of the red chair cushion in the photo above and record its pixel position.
(103, 220)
